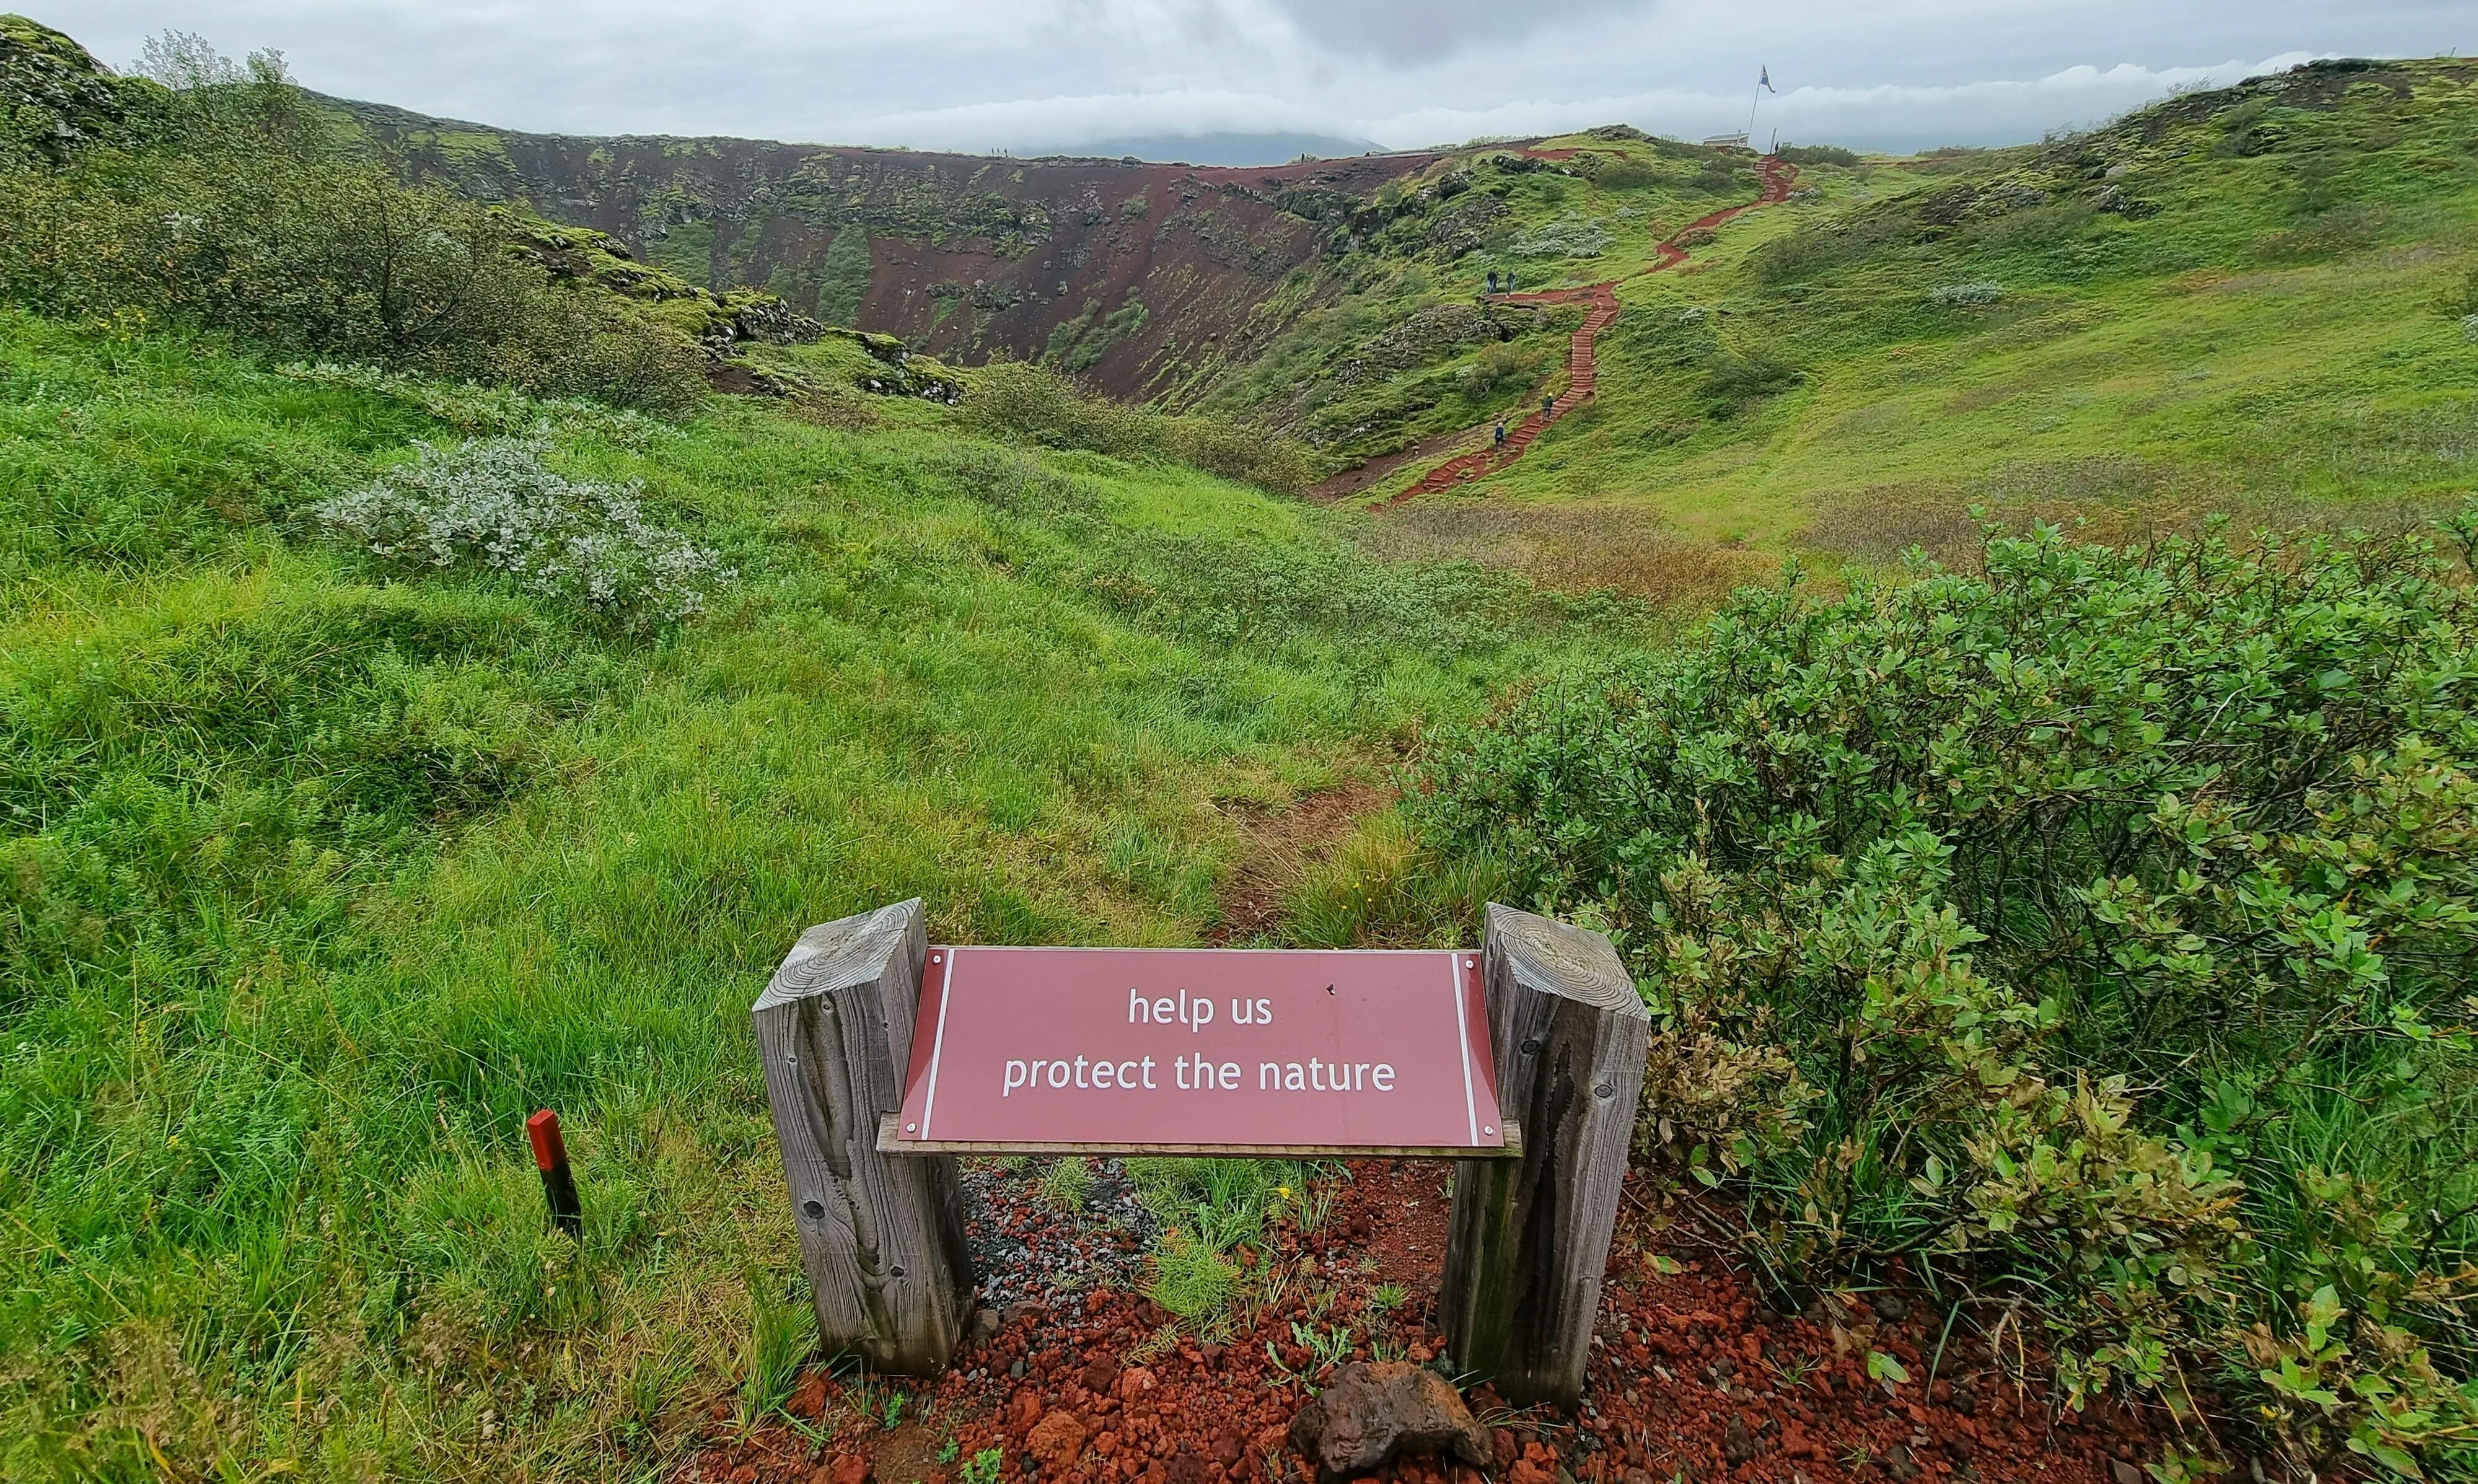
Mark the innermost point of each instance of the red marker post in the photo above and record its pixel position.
(559, 1187)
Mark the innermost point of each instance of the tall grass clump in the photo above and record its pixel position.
(1021, 402)
(2094, 935)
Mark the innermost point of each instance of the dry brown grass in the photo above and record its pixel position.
(1571, 548)
(2116, 499)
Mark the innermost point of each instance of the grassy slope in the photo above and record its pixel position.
(312, 883)
(2274, 334)
(1403, 270)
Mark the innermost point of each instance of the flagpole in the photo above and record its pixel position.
(1757, 103)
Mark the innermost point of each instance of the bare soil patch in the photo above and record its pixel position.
(1280, 845)
(1693, 1375)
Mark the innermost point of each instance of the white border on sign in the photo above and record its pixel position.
(1455, 967)
(1462, 1042)
(945, 984)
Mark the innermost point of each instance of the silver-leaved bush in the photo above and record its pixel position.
(492, 505)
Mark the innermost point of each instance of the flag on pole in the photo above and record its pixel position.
(1764, 76)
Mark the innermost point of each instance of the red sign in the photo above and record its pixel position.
(1212, 1049)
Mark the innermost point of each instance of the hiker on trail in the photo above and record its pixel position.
(1546, 403)
(1510, 280)
(1501, 435)
(1492, 280)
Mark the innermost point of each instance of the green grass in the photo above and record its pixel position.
(2274, 337)
(313, 884)
(1627, 194)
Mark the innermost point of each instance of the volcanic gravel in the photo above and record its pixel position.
(1025, 1250)
(1692, 1378)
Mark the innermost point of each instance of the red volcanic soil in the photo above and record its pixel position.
(1692, 1375)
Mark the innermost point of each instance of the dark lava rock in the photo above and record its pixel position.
(1372, 1414)
(1738, 1445)
(1892, 1308)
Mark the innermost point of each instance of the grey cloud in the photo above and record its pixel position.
(1021, 74)
(1406, 32)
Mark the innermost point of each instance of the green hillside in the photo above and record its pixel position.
(425, 697)
(318, 880)
(2250, 299)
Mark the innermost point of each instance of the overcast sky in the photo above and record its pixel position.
(1034, 74)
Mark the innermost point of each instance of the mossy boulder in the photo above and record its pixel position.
(55, 98)
(720, 323)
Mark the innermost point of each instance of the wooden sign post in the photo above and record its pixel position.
(882, 1239)
(886, 1056)
(1530, 1239)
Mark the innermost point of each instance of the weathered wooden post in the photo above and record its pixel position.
(1531, 1236)
(882, 1239)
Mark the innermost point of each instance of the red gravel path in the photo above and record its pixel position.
(1692, 1379)
(1582, 367)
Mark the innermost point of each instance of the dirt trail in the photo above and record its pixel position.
(1280, 845)
(1582, 366)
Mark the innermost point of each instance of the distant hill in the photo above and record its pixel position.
(1223, 148)
(1144, 275)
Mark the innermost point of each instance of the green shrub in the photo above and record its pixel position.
(1237, 450)
(246, 217)
(1626, 174)
(1812, 251)
(1924, 883)
(1733, 379)
(1720, 173)
(2032, 227)
(1500, 368)
(1818, 154)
